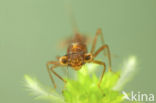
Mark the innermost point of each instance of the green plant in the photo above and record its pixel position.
(85, 89)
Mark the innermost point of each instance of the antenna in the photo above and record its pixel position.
(71, 16)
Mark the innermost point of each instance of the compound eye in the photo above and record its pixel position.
(88, 57)
(63, 60)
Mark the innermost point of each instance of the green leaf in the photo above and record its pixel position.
(85, 88)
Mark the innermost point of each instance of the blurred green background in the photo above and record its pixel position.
(30, 31)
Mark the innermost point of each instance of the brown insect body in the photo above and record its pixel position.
(77, 55)
(76, 52)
